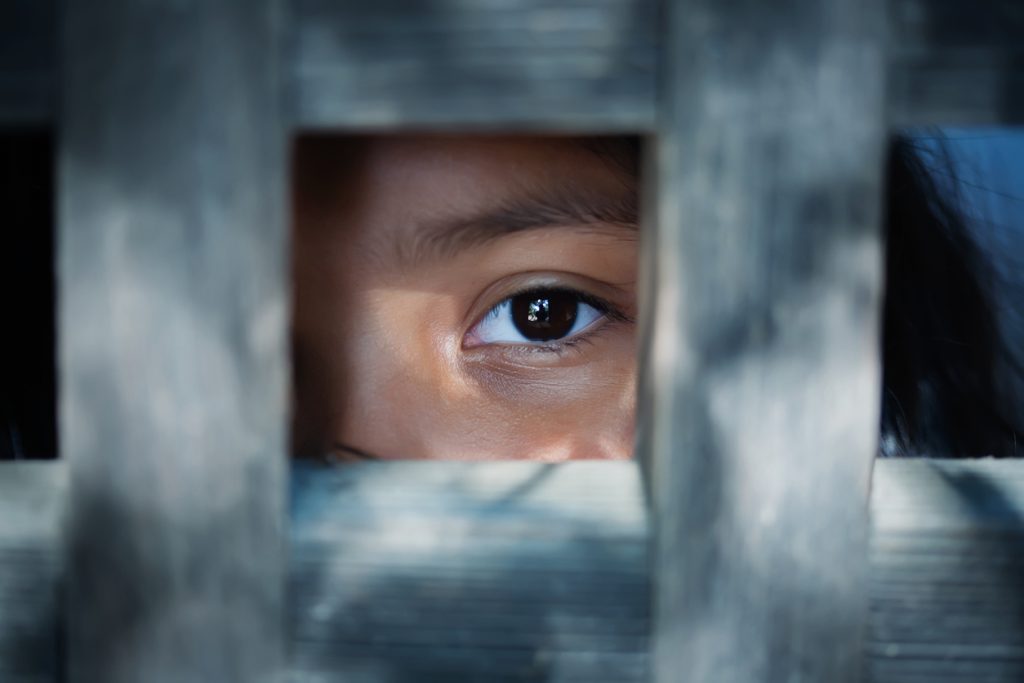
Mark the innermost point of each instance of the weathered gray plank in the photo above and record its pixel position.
(171, 264)
(544, 64)
(760, 377)
(947, 572)
(953, 62)
(504, 561)
(538, 64)
(32, 498)
(448, 572)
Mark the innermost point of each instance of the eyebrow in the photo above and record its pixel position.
(575, 208)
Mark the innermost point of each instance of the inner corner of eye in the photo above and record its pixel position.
(472, 338)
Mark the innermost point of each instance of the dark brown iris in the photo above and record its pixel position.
(543, 316)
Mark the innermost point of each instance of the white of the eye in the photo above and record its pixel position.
(497, 326)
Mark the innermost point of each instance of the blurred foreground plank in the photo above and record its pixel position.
(172, 291)
(449, 572)
(526, 572)
(760, 368)
(543, 64)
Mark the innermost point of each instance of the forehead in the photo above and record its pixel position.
(415, 161)
(379, 190)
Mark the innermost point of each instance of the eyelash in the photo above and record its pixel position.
(609, 312)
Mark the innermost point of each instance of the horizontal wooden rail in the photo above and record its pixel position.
(33, 496)
(543, 64)
(576, 64)
(448, 573)
(958, 63)
(947, 572)
(529, 572)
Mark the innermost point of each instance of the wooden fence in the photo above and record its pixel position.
(739, 548)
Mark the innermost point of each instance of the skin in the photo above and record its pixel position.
(398, 255)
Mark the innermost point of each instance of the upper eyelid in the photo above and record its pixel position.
(597, 302)
(564, 207)
(614, 296)
(610, 313)
(608, 310)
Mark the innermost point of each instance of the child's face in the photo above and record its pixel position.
(464, 298)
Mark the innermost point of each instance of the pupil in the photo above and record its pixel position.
(542, 316)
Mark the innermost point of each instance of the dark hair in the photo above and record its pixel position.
(941, 343)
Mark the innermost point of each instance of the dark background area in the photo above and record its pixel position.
(28, 424)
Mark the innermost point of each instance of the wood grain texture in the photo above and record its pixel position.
(172, 356)
(542, 64)
(517, 572)
(533, 64)
(947, 572)
(760, 379)
(956, 63)
(450, 572)
(32, 500)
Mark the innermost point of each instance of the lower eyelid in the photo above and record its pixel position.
(548, 352)
(559, 369)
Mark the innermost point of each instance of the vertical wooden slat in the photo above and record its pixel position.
(762, 374)
(172, 355)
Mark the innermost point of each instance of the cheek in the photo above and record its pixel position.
(397, 358)
(587, 430)
(410, 404)
(569, 414)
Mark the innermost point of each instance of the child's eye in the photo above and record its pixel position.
(536, 317)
